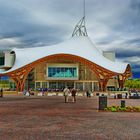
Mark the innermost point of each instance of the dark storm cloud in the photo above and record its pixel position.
(135, 4)
(16, 21)
(127, 48)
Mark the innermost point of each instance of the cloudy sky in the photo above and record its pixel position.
(113, 25)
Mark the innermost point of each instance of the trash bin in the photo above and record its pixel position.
(122, 103)
(102, 102)
(119, 96)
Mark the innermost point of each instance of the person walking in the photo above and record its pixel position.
(1, 92)
(66, 94)
(73, 93)
(88, 93)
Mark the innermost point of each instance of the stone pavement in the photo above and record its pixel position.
(49, 118)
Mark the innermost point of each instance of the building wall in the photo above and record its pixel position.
(40, 72)
(6, 60)
(109, 55)
(84, 72)
(87, 78)
(1, 59)
(113, 82)
(9, 59)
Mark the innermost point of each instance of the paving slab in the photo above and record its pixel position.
(49, 118)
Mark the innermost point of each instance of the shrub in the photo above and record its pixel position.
(123, 109)
(127, 109)
(113, 109)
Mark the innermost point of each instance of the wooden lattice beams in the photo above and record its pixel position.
(121, 80)
(103, 83)
(103, 74)
(123, 77)
(128, 72)
(20, 76)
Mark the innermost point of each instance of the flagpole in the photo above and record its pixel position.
(84, 14)
(84, 8)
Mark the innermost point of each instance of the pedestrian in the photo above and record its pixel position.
(73, 93)
(66, 94)
(88, 93)
(24, 92)
(1, 92)
(126, 94)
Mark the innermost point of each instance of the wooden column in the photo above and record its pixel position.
(19, 77)
(103, 83)
(121, 80)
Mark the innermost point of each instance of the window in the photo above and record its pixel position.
(62, 72)
(79, 86)
(44, 84)
(1, 60)
(37, 85)
(52, 85)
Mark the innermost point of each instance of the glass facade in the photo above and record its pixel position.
(79, 85)
(44, 84)
(88, 86)
(62, 72)
(2, 61)
(38, 85)
(60, 85)
(96, 86)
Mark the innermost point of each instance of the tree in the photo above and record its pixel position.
(132, 83)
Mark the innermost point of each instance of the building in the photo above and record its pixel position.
(73, 63)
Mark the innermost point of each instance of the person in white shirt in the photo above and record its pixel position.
(66, 94)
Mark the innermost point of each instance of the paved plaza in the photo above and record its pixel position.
(49, 118)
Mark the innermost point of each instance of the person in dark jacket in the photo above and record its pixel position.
(88, 93)
(73, 93)
(1, 92)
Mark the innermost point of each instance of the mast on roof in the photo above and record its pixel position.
(80, 28)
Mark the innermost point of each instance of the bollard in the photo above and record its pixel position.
(119, 96)
(97, 94)
(102, 102)
(122, 103)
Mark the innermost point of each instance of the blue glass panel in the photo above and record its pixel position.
(4, 78)
(62, 72)
(75, 72)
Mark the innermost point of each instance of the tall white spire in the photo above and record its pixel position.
(80, 28)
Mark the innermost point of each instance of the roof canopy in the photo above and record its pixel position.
(78, 45)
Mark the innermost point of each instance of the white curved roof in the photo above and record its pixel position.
(78, 45)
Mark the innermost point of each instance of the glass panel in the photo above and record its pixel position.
(37, 85)
(44, 85)
(70, 84)
(75, 72)
(96, 86)
(52, 85)
(1, 60)
(61, 85)
(60, 72)
(88, 86)
(79, 86)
